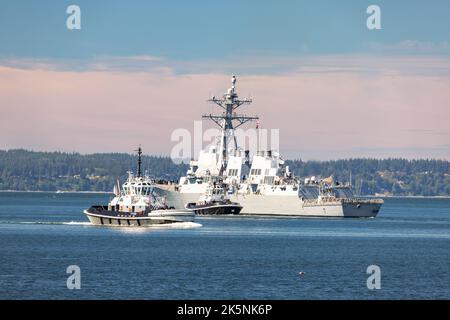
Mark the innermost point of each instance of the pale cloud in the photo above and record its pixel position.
(138, 63)
(412, 46)
(325, 107)
(247, 65)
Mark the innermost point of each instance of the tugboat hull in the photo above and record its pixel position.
(215, 209)
(100, 216)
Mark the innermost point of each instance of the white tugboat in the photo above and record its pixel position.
(262, 185)
(215, 201)
(136, 205)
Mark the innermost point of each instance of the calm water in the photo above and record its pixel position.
(224, 258)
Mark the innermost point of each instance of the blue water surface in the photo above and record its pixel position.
(41, 234)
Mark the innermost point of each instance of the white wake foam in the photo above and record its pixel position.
(78, 223)
(171, 226)
(185, 225)
(75, 223)
(175, 225)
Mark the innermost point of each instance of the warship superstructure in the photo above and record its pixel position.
(261, 184)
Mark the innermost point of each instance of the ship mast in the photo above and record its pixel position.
(229, 119)
(139, 151)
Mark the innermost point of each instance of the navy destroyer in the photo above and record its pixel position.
(262, 185)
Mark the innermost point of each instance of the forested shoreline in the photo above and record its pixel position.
(24, 170)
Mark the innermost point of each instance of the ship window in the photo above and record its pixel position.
(269, 179)
(256, 172)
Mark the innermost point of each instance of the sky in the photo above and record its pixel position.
(138, 70)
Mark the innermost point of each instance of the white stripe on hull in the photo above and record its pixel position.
(286, 205)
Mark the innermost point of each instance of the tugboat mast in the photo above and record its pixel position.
(139, 151)
(229, 103)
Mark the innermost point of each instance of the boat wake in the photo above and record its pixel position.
(175, 225)
(169, 226)
(185, 225)
(74, 223)
(78, 223)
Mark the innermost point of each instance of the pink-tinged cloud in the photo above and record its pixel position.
(323, 110)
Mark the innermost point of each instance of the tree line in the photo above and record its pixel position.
(50, 171)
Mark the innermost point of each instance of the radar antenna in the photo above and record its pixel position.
(229, 119)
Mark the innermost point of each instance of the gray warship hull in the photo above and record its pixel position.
(286, 205)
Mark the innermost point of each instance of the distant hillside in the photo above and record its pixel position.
(51, 171)
(398, 177)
